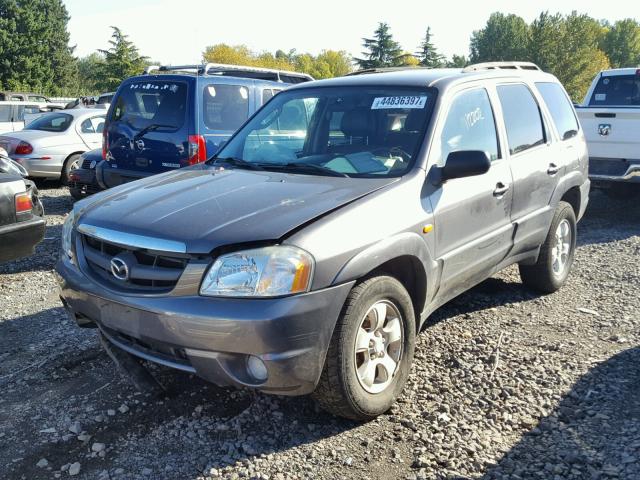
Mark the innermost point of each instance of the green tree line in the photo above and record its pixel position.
(35, 53)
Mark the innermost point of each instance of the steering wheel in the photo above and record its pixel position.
(393, 151)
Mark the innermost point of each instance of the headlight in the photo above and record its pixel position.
(261, 272)
(67, 230)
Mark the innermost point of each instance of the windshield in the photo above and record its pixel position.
(350, 131)
(51, 122)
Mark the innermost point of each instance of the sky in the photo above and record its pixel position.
(177, 31)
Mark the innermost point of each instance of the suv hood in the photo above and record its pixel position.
(204, 208)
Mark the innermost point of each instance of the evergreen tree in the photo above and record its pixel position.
(121, 60)
(34, 46)
(622, 43)
(428, 54)
(381, 50)
(457, 61)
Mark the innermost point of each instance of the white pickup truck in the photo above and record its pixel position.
(610, 118)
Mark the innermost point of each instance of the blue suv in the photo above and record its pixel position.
(173, 117)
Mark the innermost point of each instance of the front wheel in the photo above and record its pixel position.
(371, 351)
(551, 270)
(72, 163)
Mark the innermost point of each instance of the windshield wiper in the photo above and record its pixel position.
(308, 168)
(237, 162)
(150, 128)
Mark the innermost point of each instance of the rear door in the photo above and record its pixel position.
(473, 227)
(536, 163)
(90, 130)
(147, 128)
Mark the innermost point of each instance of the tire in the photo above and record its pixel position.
(548, 274)
(341, 390)
(70, 163)
(77, 193)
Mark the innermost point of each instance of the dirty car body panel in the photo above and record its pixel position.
(389, 211)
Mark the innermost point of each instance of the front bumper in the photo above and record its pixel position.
(84, 179)
(20, 239)
(212, 337)
(50, 167)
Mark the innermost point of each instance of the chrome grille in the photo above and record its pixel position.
(86, 164)
(146, 270)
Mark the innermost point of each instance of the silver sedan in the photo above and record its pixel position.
(51, 145)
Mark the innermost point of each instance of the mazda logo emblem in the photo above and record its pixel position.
(119, 269)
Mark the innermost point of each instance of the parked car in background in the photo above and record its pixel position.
(24, 97)
(51, 145)
(308, 252)
(82, 180)
(14, 115)
(173, 117)
(105, 98)
(610, 116)
(21, 214)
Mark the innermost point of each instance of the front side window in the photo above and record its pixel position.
(225, 107)
(469, 125)
(157, 105)
(616, 90)
(522, 117)
(346, 131)
(560, 108)
(51, 122)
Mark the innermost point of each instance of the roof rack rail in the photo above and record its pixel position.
(283, 76)
(367, 71)
(502, 66)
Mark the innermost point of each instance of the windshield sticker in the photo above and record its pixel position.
(601, 97)
(380, 103)
(473, 117)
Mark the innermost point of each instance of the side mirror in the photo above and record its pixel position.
(465, 163)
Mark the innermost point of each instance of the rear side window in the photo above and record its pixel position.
(158, 104)
(521, 117)
(51, 122)
(5, 113)
(560, 109)
(225, 107)
(470, 125)
(617, 90)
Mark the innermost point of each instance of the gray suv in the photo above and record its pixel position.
(306, 255)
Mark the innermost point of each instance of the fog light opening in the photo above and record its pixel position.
(256, 368)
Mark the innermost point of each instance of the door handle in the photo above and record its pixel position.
(553, 169)
(500, 190)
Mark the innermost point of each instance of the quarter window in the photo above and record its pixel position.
(521, 117)
(226, 107)
(560, 109)
(470, 125)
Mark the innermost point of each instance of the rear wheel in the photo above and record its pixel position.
(551, 270)
(371, 351)
(72, 163)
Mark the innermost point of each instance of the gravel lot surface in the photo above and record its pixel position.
(506, 384)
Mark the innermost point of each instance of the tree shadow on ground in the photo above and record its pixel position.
(594, 433)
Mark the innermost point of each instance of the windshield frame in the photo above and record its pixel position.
(309, 91)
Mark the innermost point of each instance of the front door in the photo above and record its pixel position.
(472, 215)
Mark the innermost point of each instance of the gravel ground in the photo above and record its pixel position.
(506, 384)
